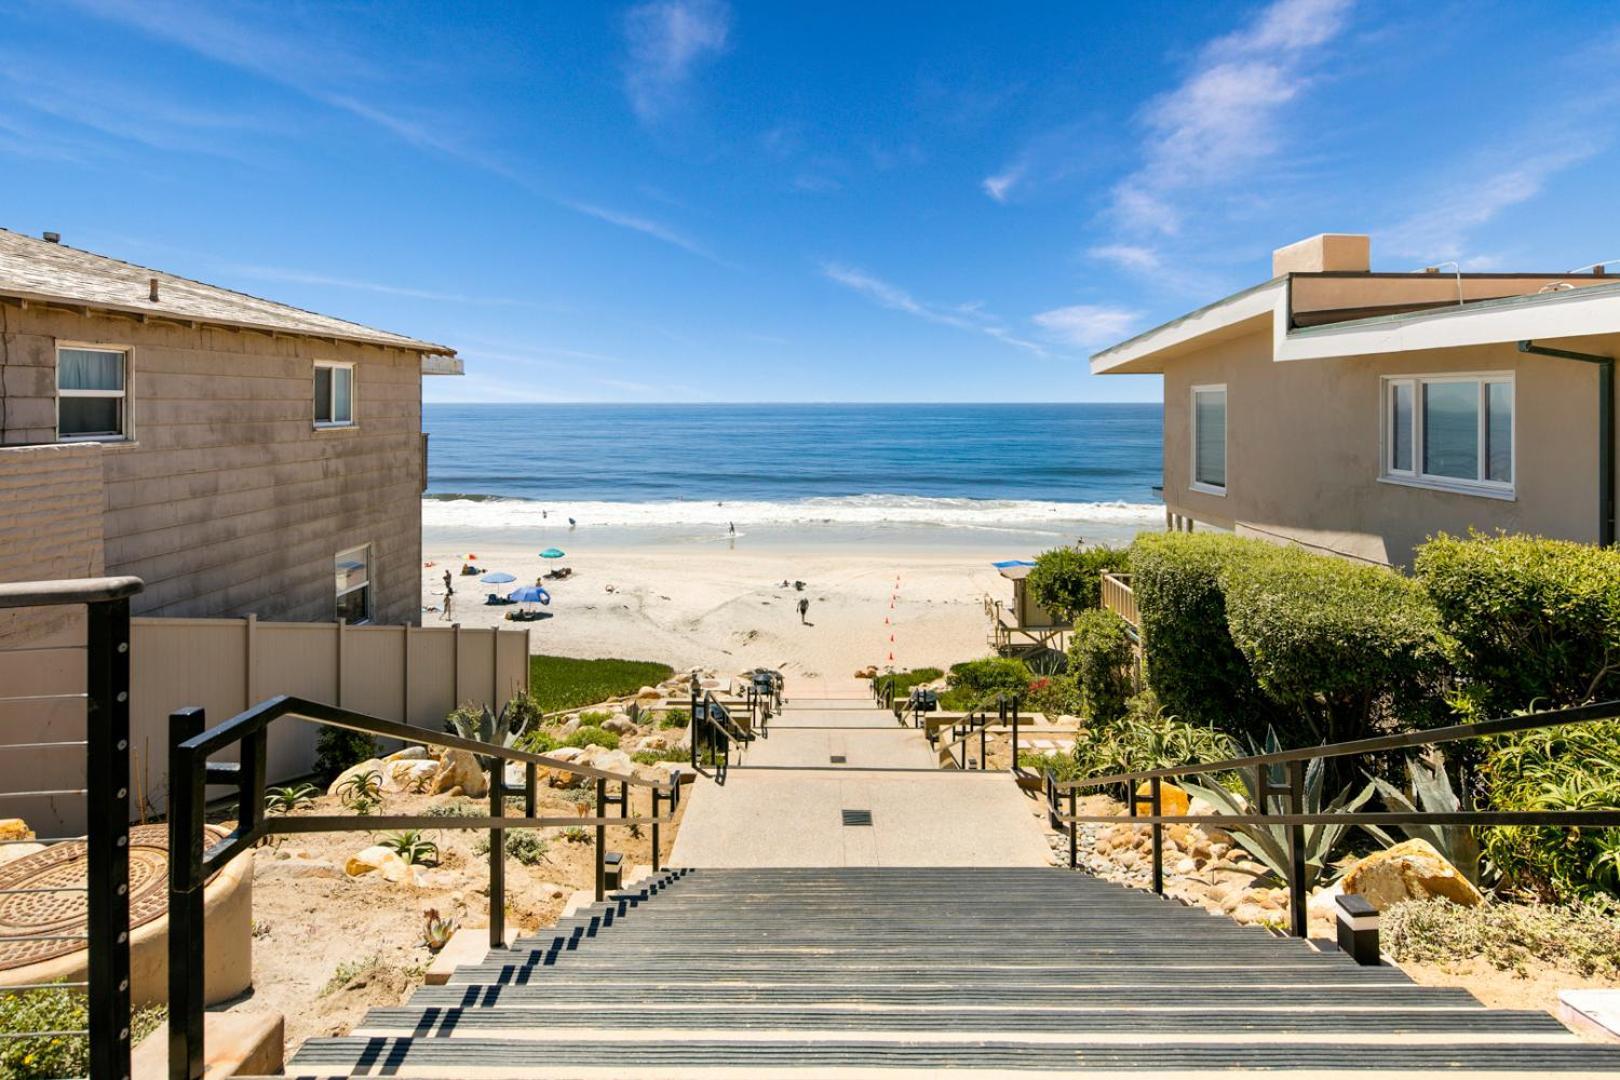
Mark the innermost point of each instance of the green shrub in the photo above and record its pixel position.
(903, 681)
(1343, 649)
(593, 736)
(594, 717)
(525, 845)
(55, 1009)
(674, 718)
(992, 675)
(1067, 581)
(538, 741)
(1532, 622)
(336, 749)
(1054, 695)
(653, 757)
(1101, 658)
(1570, 768)
(1147, 737)
(1584, 938)
(562, 682)
(1193, 665)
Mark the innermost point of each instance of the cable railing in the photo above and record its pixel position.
(713, 731)
(191, 863)
(105, 703)
(1288, 794)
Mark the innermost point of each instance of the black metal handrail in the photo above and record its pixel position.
(191, 864)
(712, 732)
(764, 697)
(1292, 791)
(107, 809)
(978, 721)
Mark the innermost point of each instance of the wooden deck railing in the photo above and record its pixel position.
(1118, 597)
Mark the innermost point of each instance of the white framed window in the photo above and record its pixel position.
(1209, 439)
(334, 394)
(91, 394)
(352, 570)
(1453, 432)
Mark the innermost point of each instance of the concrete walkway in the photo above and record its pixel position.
(784, 804)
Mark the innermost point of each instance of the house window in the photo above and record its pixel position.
(1209, 439)
(334, 395)
(353, 572)
(1450, 431)
(90, 394)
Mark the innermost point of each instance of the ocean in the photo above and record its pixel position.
(1046, 468)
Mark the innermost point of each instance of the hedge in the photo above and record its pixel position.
(1067, 581)
(1532, 621)
(1344, 649)
(1100, 661)
(994, 675)
(1193, 666)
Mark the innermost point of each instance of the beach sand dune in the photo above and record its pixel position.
(712, 606)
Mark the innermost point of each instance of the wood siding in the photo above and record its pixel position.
(227, 500)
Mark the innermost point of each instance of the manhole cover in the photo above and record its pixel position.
(857, 817)
(41, 914)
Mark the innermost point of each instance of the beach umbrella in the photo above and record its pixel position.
(529, 594)
(551, 553)
(497, 578)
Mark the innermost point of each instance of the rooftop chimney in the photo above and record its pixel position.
(151, 290)
(53, 237)
(1324, 251)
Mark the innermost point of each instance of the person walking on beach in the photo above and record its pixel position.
(449, 591)
(731, 526)
(804, 610)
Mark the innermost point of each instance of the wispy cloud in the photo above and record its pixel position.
(1442, 228)
(1088, 326)
(999, 185)
(303, 277)
(971, 317)
(666, 40)
(1136, 257)
(324, 72)
(1221, 122)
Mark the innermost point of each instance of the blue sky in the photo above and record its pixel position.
(695, 200)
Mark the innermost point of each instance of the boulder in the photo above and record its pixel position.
(649, 695)
(408, 774)
(619, 725)
(1411, 870)
(410, 753)
(15, 828)
(459, 768)
(369, 765)
(377, 860)
(1173, 801)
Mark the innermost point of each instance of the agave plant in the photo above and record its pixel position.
(436, 929)
(1269, 843)
(360, 789)
(284, 800)
(413, 847)
(1431, 792)
(479, 723)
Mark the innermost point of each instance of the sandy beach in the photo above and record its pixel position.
(714, 605)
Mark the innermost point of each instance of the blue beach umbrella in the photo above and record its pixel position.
(497, 578)
(551, 553)
(529, 594)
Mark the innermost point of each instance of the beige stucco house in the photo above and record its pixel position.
(241, 456)
(1359, 412)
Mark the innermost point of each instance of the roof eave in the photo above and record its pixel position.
(1147, 351)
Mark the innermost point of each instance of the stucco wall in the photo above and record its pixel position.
(227, 500)
(1304, 444)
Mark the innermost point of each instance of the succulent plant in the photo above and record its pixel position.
(437, 929)
(284, 800)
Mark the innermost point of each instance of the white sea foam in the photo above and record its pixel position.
(497, 513)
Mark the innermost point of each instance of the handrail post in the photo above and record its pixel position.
(655, 796)
(984, 743)
(1013, 768)
(1158, 837)
(601, 841)
(497, 856)
(531, 788)
(107, 835)
(1074, 840)
(186, 806)
(1298, 920)
(692, 728)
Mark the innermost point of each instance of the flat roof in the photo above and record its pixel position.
(40, 271)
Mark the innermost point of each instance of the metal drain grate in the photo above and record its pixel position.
(857, 817)
(838, 759)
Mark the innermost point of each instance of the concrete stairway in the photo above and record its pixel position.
(871, 971)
